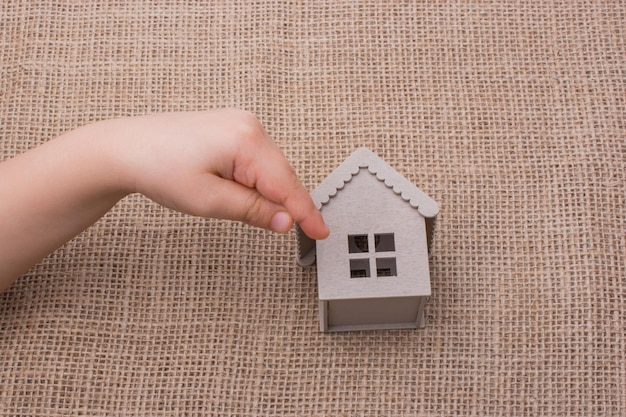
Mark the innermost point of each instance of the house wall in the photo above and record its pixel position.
(365, 205)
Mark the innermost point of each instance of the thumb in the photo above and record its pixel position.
(227, 199)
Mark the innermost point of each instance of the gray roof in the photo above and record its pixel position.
(363, 158)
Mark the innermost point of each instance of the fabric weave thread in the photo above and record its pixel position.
(509, 114)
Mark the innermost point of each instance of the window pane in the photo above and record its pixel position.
(358, 244)
(359, 268)
(386, 267)
(384, 242)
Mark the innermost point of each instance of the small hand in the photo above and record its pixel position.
(220, 164)
(213, 164)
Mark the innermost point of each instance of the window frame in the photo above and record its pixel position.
(380, 252)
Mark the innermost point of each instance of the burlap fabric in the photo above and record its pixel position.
(509, 114)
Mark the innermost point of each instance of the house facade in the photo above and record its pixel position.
(372, 270)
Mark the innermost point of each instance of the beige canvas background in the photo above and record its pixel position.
(509, 114)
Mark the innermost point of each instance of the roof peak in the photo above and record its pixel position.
(363, 158)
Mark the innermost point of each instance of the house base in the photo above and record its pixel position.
(372, 314)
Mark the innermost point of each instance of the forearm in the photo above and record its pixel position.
(50, 194)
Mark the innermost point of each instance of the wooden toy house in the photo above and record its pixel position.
(373, 269)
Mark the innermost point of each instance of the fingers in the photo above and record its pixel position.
(298, 202)
(258, 164)
(226, 199)
(276, 180)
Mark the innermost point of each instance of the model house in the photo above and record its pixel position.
(373, 269)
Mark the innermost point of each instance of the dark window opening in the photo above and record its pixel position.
(359, 268)
(384, 242)
(386, 267)
(358, 244)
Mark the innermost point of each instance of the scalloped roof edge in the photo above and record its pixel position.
(363, 158)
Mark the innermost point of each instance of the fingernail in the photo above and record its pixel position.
(281, 222)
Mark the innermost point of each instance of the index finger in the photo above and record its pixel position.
(277, 181)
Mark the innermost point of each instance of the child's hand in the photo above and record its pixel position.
(212, 164)
(219, 164)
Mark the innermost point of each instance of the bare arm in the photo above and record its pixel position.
(211, 164)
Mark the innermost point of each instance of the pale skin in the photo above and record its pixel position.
(219, 164)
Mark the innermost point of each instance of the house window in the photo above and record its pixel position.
(386, 267)
(358, 244)
(372, 255)
(359, 268)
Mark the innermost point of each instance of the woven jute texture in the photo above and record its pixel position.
(509, 114)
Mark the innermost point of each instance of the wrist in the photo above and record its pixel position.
(100, 158)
